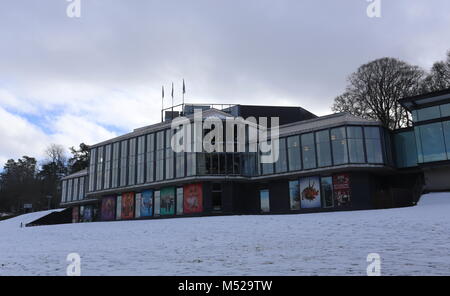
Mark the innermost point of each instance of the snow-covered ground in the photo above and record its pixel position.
(410, 241)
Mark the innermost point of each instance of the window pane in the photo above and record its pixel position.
(160, 156)
(339, 144)
(405, 149)
(132, 163)
(308, 151)
(373, 145)
(64, 191)
(93, 158)
(123, 163)
(433, 146)
(446, 126)
(295, 163)
(169, 156)
(445, 110)
(150, 166)
(281, 164)
(115, 165)
(106, 183)
(99, 168)
(141, 160)
(429, 113)
(355, 144)
(323, 148)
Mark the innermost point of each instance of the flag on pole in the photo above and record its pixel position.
(162, 92)
(184, 87)
(172, 90)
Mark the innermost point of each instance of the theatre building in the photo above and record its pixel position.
(328, 163)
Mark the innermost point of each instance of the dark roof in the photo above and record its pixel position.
(426, 99)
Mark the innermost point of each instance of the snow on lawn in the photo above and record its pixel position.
(410, 241)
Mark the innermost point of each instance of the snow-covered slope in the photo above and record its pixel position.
(27, 218)
(410, 241)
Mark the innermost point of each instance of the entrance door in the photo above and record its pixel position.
(265, 200)
(216, 196)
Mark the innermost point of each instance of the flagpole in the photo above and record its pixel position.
(162, 104)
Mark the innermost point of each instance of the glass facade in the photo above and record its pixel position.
(115, 165)
(160, 156)
(107, 181)
(123, 162)
(373, 145)
(294, 155)
(405, 149)
(169, 156)
(132, 162)
(281, 164)
(431, 141)
(339, 146)
(308, 151)
(150, 161)
(355, 144)
(323, 148)
(92, 159)
(141, 160)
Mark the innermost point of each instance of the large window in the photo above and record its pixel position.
(141, 160)
(339, 145)
(446, 126)
(293, 144)
(428, 113)
(75, 189)
(431, 143)
(92, 159)
(123, 163)
(150, 158)
(405, 149)
(323, 148)
(64, 191)
(69, 189)
(355, 144)
(169, 155)
(81, 190)
(373, 144)
(115, 165)
(326, 187)
(160, 156)
(281, 163)
(308, 151)
(132, 162)
(107, 183)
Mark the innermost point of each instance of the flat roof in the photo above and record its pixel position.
(426, 99)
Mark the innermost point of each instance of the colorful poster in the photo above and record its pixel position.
(137, 206)
(119, 207)
(167, 201)
(108, 208)
(265, 200)
(128, 205)
(342, 190)
(147, 203)
(75, 214)
(310, 192)
(193, 198)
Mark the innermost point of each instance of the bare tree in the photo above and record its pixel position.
(439, 76)
(374, 89)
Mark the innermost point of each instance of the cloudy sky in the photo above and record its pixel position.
(70, 80)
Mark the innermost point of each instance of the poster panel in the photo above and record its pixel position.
(108, 208)
(167, 201)
(128, 205)
(146, 203)
(264, 200)
(342, 190)
(119, 207)
(193, 198)
(75, 214)
(294, 195)
(310, 192)
(326, 185)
